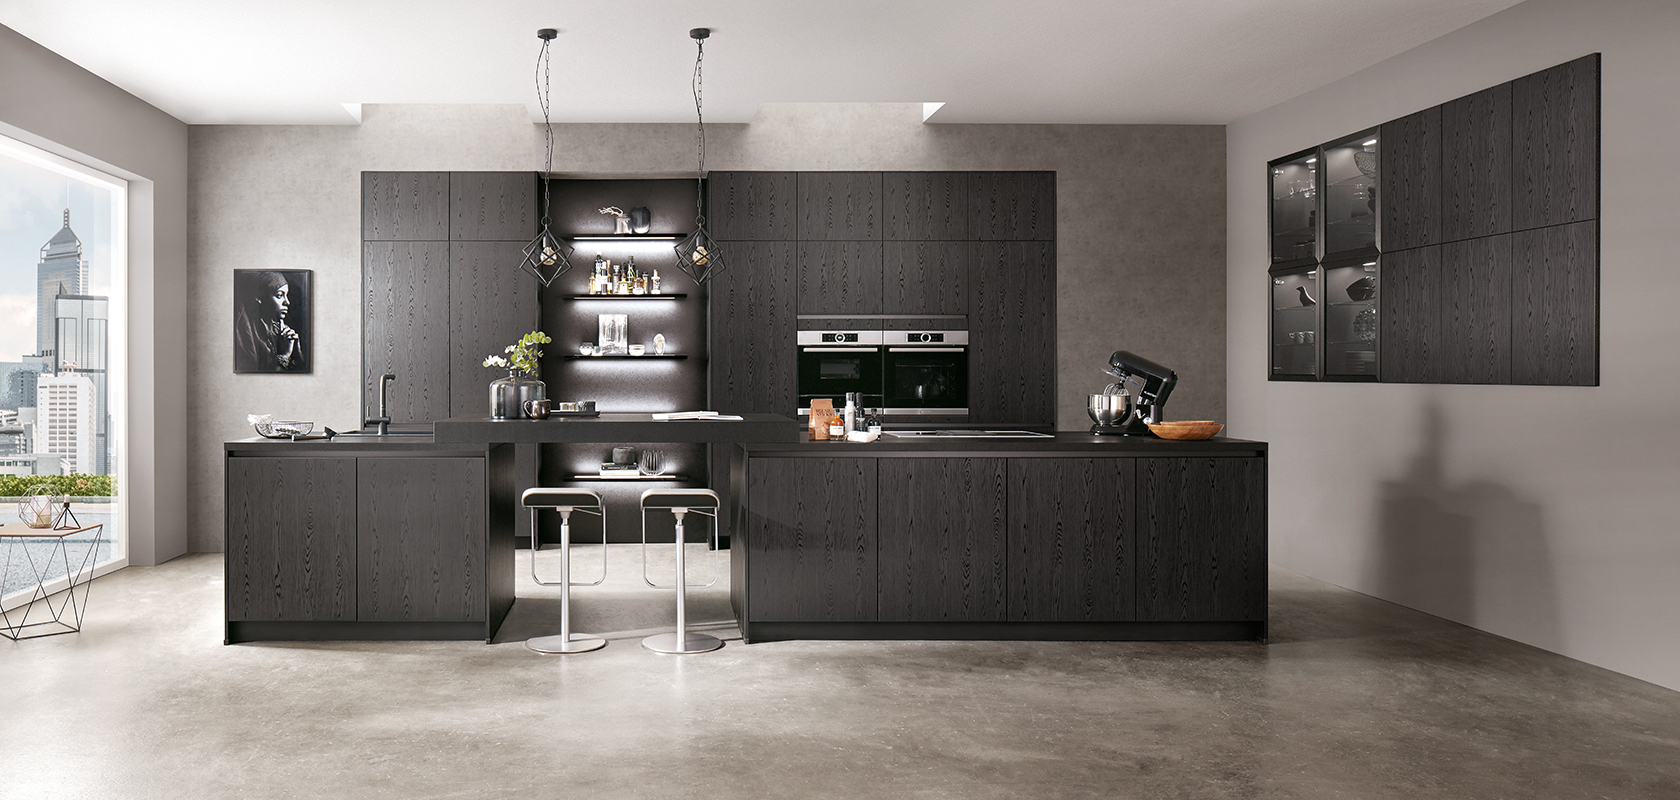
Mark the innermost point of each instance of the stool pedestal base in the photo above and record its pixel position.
(580, 643)
(682, 643)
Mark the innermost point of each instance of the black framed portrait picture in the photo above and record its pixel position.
(271, 331)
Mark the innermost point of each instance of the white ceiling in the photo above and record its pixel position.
(1017, 61)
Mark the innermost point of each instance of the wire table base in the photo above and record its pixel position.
(73, 598)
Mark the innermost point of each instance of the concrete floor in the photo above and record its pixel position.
(1354, 698)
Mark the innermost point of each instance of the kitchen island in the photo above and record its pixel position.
(1072, 536)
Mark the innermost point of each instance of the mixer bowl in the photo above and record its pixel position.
(1108, 409)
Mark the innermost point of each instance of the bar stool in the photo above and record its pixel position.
(680, 502)
(564, 501)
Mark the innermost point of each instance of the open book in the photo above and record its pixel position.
(694, 415)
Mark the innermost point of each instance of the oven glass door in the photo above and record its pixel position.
(831, 372)
(927, 378)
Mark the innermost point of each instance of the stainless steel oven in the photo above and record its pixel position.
(832, 363)
(925, 372)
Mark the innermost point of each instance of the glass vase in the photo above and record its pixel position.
(508, 395)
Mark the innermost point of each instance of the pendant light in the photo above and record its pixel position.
(697, 255)
(545, 256)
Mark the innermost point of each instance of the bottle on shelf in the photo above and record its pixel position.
(837, 428)
(850, 413)
(872, 421)
(653, 284)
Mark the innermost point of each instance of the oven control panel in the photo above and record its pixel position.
(948, 338)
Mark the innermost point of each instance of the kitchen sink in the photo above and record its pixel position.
(966, 434)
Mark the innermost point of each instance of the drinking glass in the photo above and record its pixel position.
(652, 463)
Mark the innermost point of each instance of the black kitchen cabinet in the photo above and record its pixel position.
(1408, 316)
(386, 541)
(840, 278)
(494, 206)
(1012, 206)
(405, 206)
(1411, 186)
(1351, 195)
(813, 540)
(925, 278)
(405, 330)
(839, 206)
(1201, 539)
(1554, 297)
(1071, 540)
(1349, 318)
(752, 329)
(925, 206)
(291, 543)
(1475, 307)
(1556, 130)
(757, 206)
(1476, 164)
(1295, 322)
(491, 305)
(1012, 346)
(421, 539)
(1293, 210)
(943, 525)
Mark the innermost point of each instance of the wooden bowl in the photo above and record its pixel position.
(1186, 430)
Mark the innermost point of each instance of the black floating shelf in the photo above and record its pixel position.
(626, 296)
(649, 478)
(646, 357)
(626, 237)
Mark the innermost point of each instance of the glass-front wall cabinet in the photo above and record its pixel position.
(1294, 210)
(1350, 319)
(1295, 323)
(1350, 196)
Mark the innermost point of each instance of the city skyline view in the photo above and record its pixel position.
(33, 200)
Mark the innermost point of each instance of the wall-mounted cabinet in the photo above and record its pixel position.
(1483, 212)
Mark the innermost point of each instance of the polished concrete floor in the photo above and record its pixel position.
(1354, 698)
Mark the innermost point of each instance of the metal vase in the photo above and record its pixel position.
(508, 395)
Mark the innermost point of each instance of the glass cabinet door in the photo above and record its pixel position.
(1350, 319)
(1294, 208)
(1350, 195)
(1295, 328)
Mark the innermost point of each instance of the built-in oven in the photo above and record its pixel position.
(925, 372)
(832, 363)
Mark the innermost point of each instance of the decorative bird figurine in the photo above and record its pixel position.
(1306, 299)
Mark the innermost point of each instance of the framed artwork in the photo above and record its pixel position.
(271, 331)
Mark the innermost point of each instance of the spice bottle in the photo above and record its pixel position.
(837, 428)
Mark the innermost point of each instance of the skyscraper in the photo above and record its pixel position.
(61, 270)
(64, 420)
(81, 344)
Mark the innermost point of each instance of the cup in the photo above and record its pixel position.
(537, 409)
(1309, 336)
(638, 349)
(651, 463)
(586, 349)
(565, 406)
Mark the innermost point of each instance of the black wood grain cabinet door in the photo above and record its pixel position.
(1072, 540)
(1411, 181)
(1557, 144)
(758, 206)
(291, 539)
(943, 529)
(1011, 355)
(753, 327)
(422, 539)
(925, 206)
(839, 206)
(1012, 206)
(491, 305)
(1475, 311)
(1476, 164)
(925, 278)
(1408, 317)
(811, 539)
(1554, 305)
(840, 278)
(494, 206)
(405, 206)
(1201, 545)
(405, 328)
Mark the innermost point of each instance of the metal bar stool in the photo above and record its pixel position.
(564, 501)
(680, 502)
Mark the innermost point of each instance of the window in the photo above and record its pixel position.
(63, 382)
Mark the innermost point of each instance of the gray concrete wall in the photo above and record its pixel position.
(57, 106)
(1140, 245)
(1545, 514)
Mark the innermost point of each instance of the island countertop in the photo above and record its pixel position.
(1061, 443)
(616, 427)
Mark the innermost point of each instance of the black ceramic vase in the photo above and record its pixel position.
(641, 219)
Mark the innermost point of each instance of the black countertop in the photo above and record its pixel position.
(1060, 443)
(617, 427)
(351, 445)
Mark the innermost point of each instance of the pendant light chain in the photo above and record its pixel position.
(548, 129)
(545, 256)
(700, 136)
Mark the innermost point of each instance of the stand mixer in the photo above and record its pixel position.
(1115, 411)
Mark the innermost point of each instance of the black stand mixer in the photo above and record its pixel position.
(1115, 412)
